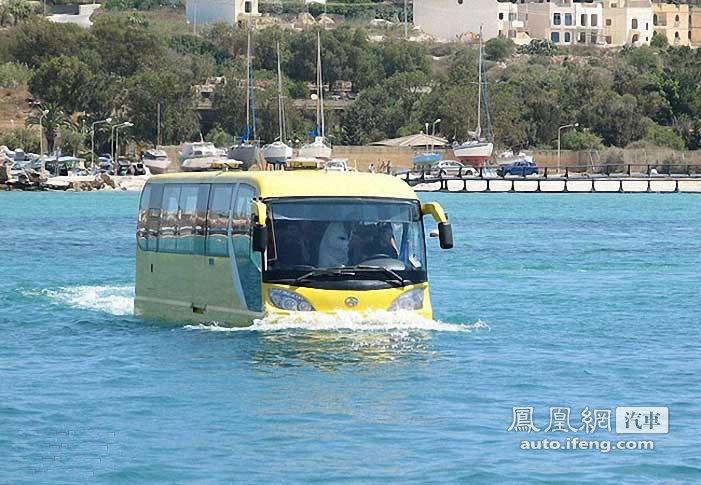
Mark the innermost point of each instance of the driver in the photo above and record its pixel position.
(371, 241)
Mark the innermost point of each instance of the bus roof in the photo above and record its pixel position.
(318, 183)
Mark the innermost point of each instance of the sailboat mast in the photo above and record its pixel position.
(280, 112)
(320, 85)
(479, 90)
(248, 85)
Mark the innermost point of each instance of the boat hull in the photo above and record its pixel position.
(157, 167)
(474, 153)
(317, 149)
(247, 153)
(277, 153)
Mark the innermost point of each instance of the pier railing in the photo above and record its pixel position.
(659, 172)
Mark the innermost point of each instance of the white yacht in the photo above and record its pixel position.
(156, 160)
(198, 156)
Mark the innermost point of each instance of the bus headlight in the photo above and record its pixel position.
(411, 300)
(289, 300)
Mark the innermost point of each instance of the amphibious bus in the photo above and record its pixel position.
(231, 247)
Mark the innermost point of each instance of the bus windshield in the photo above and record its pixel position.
(314, 240)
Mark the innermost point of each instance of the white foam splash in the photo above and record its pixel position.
(344, 321)
(115, 300)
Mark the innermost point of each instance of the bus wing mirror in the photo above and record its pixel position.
(260, 230)
(445, 231)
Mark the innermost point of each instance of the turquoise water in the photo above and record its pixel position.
(547, 300)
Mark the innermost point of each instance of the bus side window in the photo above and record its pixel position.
(249, 271)
(169, 219)
(185, 242)
(218, 220)
(141, 230)
(149, 216)
(200, 231)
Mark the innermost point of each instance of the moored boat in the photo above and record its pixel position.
(156, 160)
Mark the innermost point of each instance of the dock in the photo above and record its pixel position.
(688, 180)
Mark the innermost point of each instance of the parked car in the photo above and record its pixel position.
(452, 168)
(521, 167)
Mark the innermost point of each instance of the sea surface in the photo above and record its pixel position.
(585, 302)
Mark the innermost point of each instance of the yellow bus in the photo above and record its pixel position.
(231, 247)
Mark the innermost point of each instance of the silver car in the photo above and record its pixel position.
(452, 168)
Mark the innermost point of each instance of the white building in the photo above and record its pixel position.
(451, 19)
(200, 12)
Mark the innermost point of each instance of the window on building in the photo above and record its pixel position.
(248, 7)
(647, 26)
(582, 37)
(568, 38)
(655, 20)
(593, 38)
(613, 5)
(568, 19)
(676, 35)
(555, 37)
(608, 22)
(459, 2)
(608, 39)
(688, 34)
(556, 19)
(634, 24)
(583, 20)
(676, 18)
(594, 20)
(501, 16)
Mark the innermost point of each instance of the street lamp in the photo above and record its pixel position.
(433, 132)
(126, 124)
(92, 137)
(41, 141)
(559, 137)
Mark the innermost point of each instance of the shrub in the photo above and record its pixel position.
(13, 75)
(21, 137)
(581, 140)
(498, 48)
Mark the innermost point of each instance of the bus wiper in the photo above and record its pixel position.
(320, 272)
(350, 270)
(395, 276)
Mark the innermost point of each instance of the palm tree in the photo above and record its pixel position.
(51, 122)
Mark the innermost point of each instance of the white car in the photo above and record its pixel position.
(452, 168)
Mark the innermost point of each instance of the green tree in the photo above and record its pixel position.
(659, 41)
(581, 140)
(62, 80)
(72, 140)
(37, 41)
(145, 91)
(126, 47)
(220, 137)
(498, 48)
(51, 122)
(663, 136)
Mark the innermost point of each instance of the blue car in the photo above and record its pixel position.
(522, 167)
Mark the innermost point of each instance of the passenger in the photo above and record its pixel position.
(333, 250)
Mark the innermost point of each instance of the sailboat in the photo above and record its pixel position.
(278, 152)
(479, 150)
(319, 148)
(248, 149)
